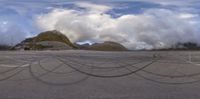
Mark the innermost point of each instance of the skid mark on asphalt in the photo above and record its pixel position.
(67, 69)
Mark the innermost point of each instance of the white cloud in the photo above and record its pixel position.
(10, 34)
(93, 8)
(169, 2)
(188, 15)
(154, 28)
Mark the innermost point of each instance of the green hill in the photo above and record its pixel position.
(55, 40)
(53, 36)
(46, 40)
(106, 46)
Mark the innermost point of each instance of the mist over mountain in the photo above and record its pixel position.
(154, 28)
(55, 40)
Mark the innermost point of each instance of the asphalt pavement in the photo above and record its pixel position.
(75, 74)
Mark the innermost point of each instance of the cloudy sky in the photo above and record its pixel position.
(137, 24)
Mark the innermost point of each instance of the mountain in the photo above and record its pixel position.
(106, 46)
(53, 36)
(55, 40)
(188, 45)
(49, 40)
(182, 46)
(5, 47)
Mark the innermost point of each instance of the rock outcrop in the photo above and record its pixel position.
(49, 40)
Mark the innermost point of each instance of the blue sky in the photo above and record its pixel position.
(20, 19)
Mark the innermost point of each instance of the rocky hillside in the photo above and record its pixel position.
(53, 36)
(55, 40)
(49, 40)
(106, 46)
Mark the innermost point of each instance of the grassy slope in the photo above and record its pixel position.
(53, 36)
(57, 36)
(108, 46)
(31, 43)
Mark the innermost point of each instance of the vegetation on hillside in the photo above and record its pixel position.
(32, 43)
(106, 46)
(53, 36)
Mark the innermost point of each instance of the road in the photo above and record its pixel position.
(80, 74)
